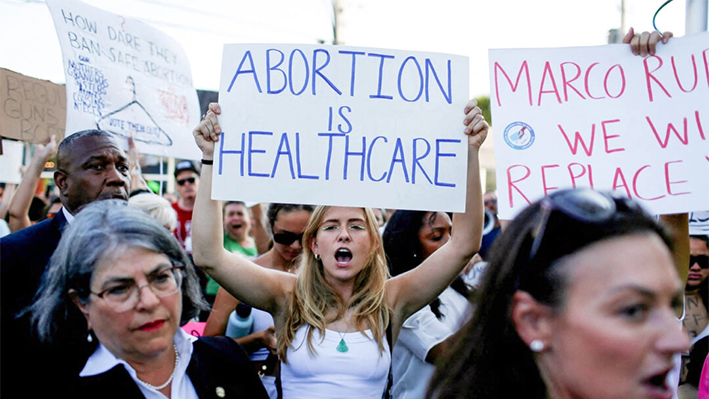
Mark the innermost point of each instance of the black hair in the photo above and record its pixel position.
(36, 211)
(275, 208)
(404, 251)
(67, 145)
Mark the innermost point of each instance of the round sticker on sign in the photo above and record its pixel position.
(519, 135)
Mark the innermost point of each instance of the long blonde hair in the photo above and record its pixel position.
(313, 297)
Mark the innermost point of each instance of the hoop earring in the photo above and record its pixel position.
(536, 346)
(317, 257)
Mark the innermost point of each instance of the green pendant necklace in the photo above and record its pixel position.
(342, 346)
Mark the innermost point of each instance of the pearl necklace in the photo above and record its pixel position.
(169, 380)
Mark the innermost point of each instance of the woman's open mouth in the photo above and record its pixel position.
(657, 386)
(343, 256)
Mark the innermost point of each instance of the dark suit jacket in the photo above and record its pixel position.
(217, 364)
(24, 256)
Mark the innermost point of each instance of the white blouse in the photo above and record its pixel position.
(102, 360)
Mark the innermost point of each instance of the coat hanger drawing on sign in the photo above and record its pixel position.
(149, 133)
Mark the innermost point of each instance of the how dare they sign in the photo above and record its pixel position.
(601, 117)
(126, 77)
(342, 126)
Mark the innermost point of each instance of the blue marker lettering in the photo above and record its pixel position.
(401, 72)
(317, 69)
(329, 151)
(429, 70)
(284, 142)
(274, 68)
(256, 151)
(222, 151)
(297, 158)
(349, 154)
(400, 150)
(417, 159)
(344, 118)
(239, 71)
(381, 71)
(369, 159)
(354, 65)
(290, 72)
(440, 155)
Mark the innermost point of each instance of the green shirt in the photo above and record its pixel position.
(231, 246)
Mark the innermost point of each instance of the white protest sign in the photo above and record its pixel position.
(699, 223)
(601, 117)
(11, 161)
(342, 126)
(126, 77)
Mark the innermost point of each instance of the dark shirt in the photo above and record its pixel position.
(219, 366)
(24, 255)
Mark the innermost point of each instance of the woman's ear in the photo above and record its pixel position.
(313, 244)
(532, 320)
(74, 295)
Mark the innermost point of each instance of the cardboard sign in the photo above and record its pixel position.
(601, 117)
(342, 126)
(32, 109)
(11, 161)
(126, 77)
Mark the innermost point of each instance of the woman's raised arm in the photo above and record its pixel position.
(413, 290)
(260, 287)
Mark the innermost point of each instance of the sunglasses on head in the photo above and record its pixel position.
(701, 260)
(585, 206)
(182, 182)
(287, 238)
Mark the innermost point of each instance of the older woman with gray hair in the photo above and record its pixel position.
(134, 285)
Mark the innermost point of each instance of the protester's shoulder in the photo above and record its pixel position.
(221, 347)
(29, 235)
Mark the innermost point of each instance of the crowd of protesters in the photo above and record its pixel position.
(582, 295)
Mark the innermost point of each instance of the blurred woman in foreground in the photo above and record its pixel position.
(579, 300)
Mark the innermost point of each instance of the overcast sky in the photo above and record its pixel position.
(29, 44)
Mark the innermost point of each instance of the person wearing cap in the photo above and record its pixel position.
(187, 179)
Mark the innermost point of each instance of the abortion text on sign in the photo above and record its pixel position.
(342, 126)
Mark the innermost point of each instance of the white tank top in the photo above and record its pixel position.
(262, 320)
(361, 372)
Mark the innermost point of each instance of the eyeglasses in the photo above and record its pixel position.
(125, 295)
(287, 238)
(189, 180)
(701, 260)
(583, 205)
(491, 201)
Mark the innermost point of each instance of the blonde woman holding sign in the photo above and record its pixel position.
(334, 317)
